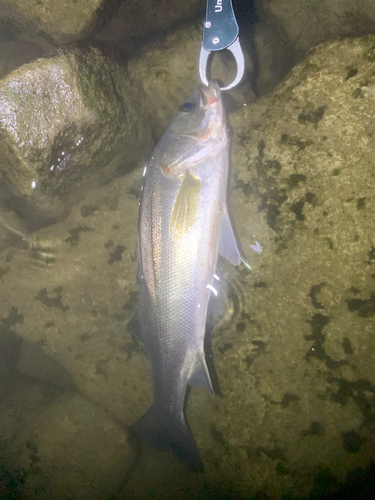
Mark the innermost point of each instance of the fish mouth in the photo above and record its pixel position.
(209, 95)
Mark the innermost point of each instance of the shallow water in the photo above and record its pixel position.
(292, 345)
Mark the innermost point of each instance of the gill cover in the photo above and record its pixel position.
(193, 133)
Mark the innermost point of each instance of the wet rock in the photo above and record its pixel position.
(65, 117)
(286, 30)
(109, 20)
(81, 300)
(303, 157)
(62, 21)
(50, 442)
(307, 23)
(136, 20)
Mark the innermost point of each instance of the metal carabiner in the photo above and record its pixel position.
(236, 50)
(220, 31)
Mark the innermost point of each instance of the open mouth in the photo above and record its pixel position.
(208, 97)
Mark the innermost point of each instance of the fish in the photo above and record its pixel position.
(183, 226)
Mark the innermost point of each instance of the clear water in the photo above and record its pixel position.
(291, 341)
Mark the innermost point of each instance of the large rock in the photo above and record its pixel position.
(294, 350)
(138, 20)
(299, 357)
(68, 20)
(50, 442)
(287, 29)
(65, 117)
(307, 22)
(62, 21)
(89, 284)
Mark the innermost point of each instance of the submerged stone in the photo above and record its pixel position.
(62, 119)
(60, 20)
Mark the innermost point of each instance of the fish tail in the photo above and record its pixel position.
(169, 431)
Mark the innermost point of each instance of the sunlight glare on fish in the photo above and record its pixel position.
(210, 287)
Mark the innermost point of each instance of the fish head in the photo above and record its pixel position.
(197, 131)
(202, 115)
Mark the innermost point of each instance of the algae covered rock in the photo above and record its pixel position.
(296, 361)
(64, 116)
(50, 442)
(286, 29)
(307, 22)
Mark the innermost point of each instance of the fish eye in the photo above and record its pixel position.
(187, 106)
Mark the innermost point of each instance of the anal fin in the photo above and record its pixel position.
(200, 375)
(133, 326)
(227, 245)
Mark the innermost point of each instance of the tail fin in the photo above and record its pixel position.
(169, 431)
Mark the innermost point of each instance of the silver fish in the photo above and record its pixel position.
(183, 225)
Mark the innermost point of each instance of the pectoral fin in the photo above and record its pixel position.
(228, 247)
(186, 205)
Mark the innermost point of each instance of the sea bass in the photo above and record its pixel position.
(183, 225)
